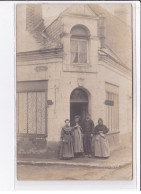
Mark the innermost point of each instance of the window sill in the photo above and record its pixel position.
(30, 135)
(80, 64)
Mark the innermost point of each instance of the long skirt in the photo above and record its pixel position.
(101, 146)
(78, 141)
(66, 148)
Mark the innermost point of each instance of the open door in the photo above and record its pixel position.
(78, 104)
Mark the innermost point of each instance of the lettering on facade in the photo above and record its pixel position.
(41, 68)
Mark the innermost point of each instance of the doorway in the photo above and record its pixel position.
(78, 104)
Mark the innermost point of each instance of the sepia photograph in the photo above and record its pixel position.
(74, 91)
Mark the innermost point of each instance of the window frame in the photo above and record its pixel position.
(84, 39)
(112, 96)
(29, 87)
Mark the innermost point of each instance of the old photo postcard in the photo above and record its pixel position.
(74, 96)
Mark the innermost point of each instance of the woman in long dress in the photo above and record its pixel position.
(77, 137)
(66, 146)
(101, 142)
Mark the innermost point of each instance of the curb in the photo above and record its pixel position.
(94, 165)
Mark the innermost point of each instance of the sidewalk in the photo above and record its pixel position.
(118, 159)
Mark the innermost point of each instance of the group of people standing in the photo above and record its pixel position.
(83, 139)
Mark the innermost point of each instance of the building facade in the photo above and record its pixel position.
(65, 69)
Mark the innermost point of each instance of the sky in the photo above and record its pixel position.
(122, 11)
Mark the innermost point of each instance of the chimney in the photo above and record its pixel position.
(33, 16)
(101, 30)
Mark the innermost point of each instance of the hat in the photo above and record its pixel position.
(77, 116)
(100, 119)
(67, 120)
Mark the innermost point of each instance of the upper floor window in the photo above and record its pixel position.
(79, 45)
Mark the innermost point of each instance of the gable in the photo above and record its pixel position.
(79, 10)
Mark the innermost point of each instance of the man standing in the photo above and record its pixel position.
(87, 130)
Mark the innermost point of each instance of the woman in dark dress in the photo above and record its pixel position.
(66, 146)
(101, 142)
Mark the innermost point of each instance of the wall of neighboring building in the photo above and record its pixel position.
(124, 82)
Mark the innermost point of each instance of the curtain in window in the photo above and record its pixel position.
(82, 58)
(82, 46)
(74, 57)
(74, 46)
(82, 51)
(78, 51)
(74, 51)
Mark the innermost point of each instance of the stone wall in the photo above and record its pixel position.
(31, 145)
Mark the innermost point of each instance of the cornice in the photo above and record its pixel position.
(40, 54)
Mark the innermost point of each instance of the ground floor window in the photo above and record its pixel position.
(112, 107)
(31, 112)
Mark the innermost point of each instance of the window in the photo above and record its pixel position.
(79, 45)
(112, 107)
(31, 107)
(78, 51)
(31, 113)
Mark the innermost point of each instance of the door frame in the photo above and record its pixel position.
(81, 101)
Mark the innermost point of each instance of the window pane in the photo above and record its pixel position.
(82, 46)
(74, 45)
(40, 112)
(17, 112)
(82, 58)
(43, 113)
(32, 112)
(22, 112)
(74, 57)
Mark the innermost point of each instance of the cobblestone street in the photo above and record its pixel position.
(117, 167)
(31, 172)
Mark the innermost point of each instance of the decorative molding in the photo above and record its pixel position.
(94, 38)
(40, 54)
(107, 59)
(80, 81)
(80, 16)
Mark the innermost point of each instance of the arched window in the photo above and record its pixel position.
(79, 45)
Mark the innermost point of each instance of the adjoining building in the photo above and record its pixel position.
(78, 62)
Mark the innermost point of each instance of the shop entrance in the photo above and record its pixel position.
(78, 104)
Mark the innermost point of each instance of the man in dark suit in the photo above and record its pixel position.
(87, 131)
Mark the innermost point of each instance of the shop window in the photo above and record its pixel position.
(31, 108)
(31, 112)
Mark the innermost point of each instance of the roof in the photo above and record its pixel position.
(118, 35)
(46, 35)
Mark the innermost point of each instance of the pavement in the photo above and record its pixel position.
(118, 159)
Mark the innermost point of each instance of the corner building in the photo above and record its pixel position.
(75, 63)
